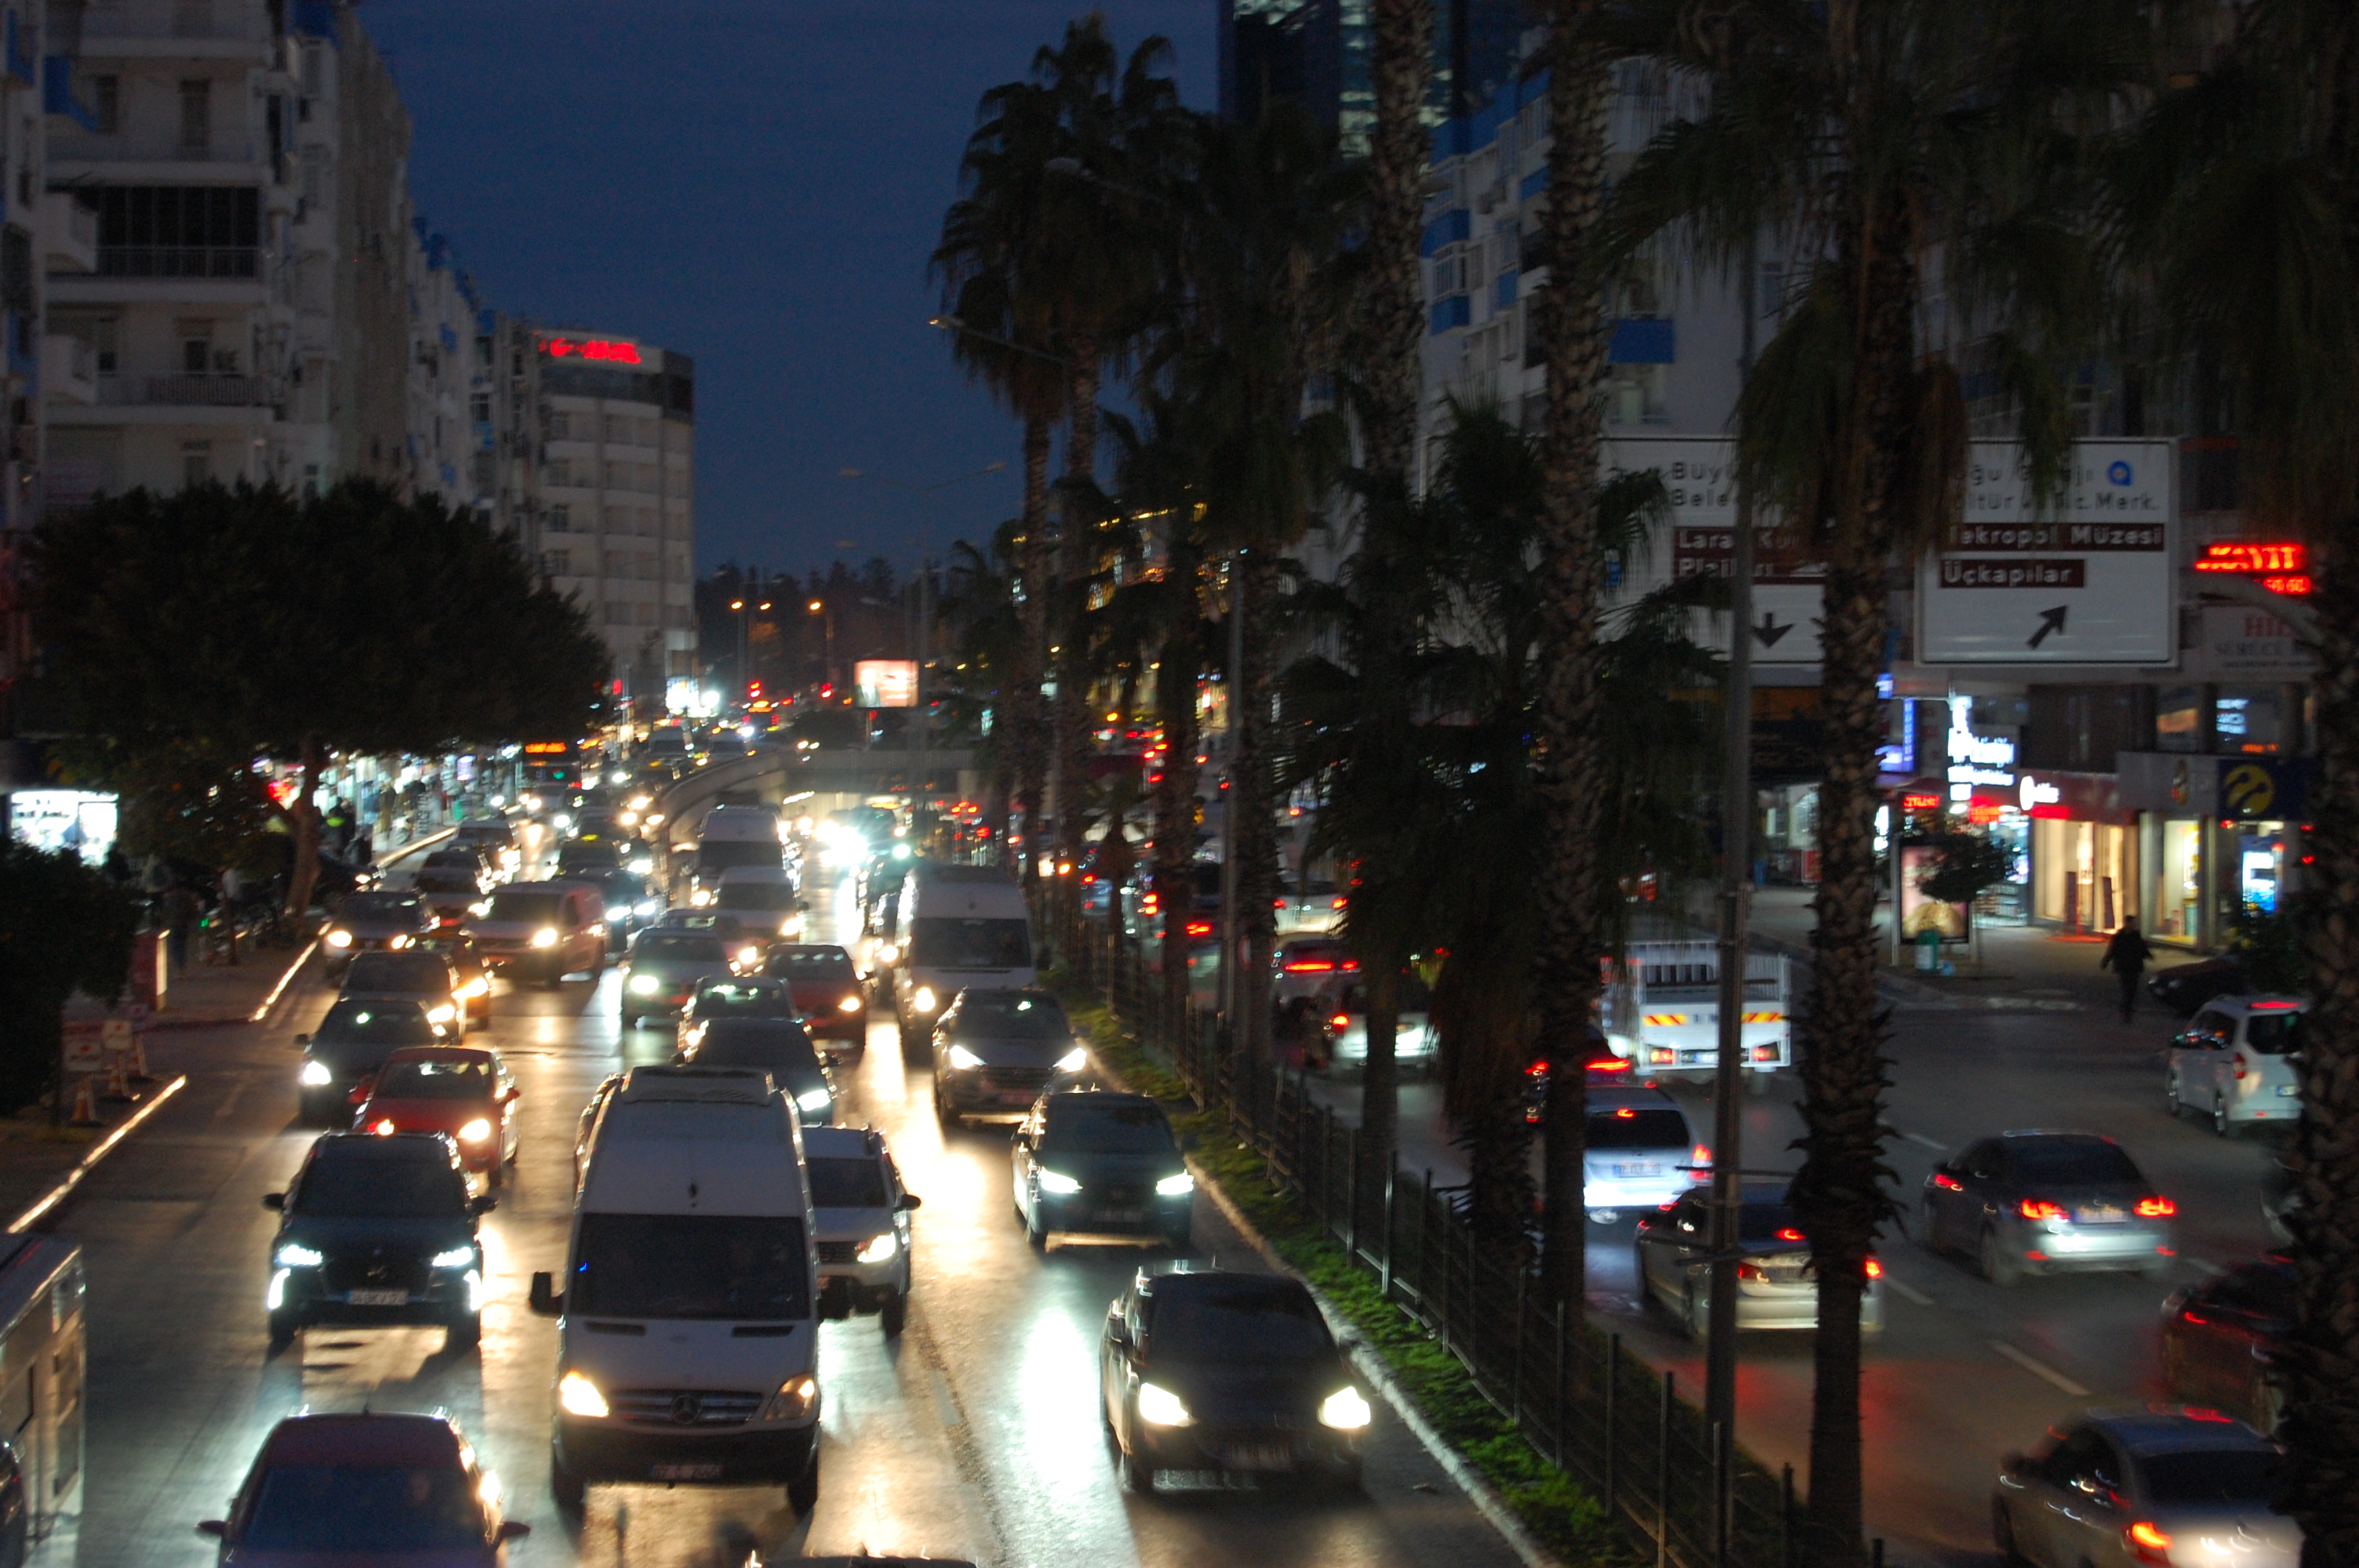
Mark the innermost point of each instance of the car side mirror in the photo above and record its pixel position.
(543, 1299)
(302, 1042)
(217, 1528)
(912, 1201)
(514, 1530)
(483, 1205)
(275, 1201)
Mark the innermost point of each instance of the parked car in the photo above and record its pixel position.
(2233, 1062)
(1776, 1287)
(2145, 1485)
(377, 1229)
(860, 1225)
(2183, 987)
(366, 1488)
(2220, 1338)
(1089, 1162)
(2048, 1203)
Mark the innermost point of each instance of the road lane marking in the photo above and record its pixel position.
(1907, 1293)
(2208, 1267)
(2039, 1369)
(1923, 1141)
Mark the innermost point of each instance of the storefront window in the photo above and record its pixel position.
(2177, 883)
(2251, 720)
(2084, 873)
(2178, 719)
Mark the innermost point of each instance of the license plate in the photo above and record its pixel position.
(703, 1470)
(1637, 1170)
(1121, 1215)
(379, 1298)
(1016, 1096)
(1259, 1456)
(2288, 1091)
(2101, 1216)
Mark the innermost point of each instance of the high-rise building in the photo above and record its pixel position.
(1318, 53)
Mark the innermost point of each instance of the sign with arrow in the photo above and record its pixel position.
(1698, 538)
(2089, 580)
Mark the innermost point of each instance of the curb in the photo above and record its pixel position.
(262, 1014)
(72, 1179)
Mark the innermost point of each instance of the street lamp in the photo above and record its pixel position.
(744, 613)
(827, 663)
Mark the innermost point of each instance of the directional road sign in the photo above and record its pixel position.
(2088, 580)
(1700, 540)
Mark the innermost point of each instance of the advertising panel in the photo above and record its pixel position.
(884, 683)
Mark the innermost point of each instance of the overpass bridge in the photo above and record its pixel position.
(814, 783)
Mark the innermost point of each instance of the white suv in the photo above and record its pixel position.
(2233, 1062)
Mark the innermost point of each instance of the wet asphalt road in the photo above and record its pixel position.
(977, 1435)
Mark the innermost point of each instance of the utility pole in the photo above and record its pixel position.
(1226, 978)
(1735, 890)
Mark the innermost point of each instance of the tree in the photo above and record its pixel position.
(1401, 56)
(241, 622)
(63, 929)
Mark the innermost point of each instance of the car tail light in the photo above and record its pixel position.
(383, 1127)
(2237, 1063)
(1874, 1270)
(1789, 1234)
(1200, 928)
(2040, 1208)
(1626, 1114)
(1948, 1183)
(1703, 1154)
(2157, 1208)
(1765, 1052)
(1751, 1272)
(1341, 1021)
(1610, 1065)
(2147, 1542)
(1310, 967)
(1658, 1055)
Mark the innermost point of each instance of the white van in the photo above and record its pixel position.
(732, 836)
(763, 900)
(960, 927)
(687, 1321)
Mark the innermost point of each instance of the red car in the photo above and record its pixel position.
(826, 988)
(2219, 1338)
(465, 1091)
(365, 1490)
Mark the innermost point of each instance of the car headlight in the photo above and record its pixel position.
(1160, 1407)
(577, 1395)
(295, 1255)
(649, 910)
(618, 913)
(887, 952)
(964, 1060)
(849, 1004)
(1344, 1409)
(924, 998)
(1073, 1061)
(814, 1099)
(474, 987)
(1178, 1186)
(1053, 1182)
(796, 1398)
(881, 1248)
(315, 1075)
(545, 937)
(700, 898)
(443, 1015)
(788, 927)
(640, 802)
(645, 985)
(399, 942)
(749, 954)
(457, 1257)
(479, 1129)
(641, 865)
(340, 938)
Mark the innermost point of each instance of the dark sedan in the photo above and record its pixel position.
(2048, 1203)
(777, 1047)
(2184, 987)
(1201, 1369)
(366, 1488)
(350, 1044)
(373, 923)
(377, 1228)
(1088, 1162)
(2221, 1338)
(995, 1052)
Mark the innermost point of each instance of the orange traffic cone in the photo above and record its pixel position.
(119, 1078)
(85, 1106)
(139, 1073)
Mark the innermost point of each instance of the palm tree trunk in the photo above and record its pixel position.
(1573, 345)
(1403, 65)
(1031, 757)
(1380, 1083)
(1175, 808)
(1076, 558)
(303, 814)
(2321, 1373)
(1252, 774)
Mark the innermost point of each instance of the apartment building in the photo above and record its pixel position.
(444, 310)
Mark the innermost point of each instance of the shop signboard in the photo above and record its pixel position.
(2243, 641)
(2088, 580)
(1700, 540)
(1919, 914)
(2260, 789)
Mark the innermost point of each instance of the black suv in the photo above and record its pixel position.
(352, 1043)
(377, 1229)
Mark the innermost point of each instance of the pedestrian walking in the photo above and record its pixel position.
(183, 909)
(2126, 955)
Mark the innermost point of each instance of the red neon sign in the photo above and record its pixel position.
(2282, 568)
(1921, 803)
(590, 349)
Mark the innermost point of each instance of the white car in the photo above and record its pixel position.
(1339, 1041)
(1307, 967)
(860, 1225)
(1640, 1152)
(1774, 1285)
(2233, 1062)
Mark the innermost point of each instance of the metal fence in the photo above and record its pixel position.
(1583, 1401)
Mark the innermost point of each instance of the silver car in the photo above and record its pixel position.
(665, 967)
(373, 923)
(2047, 1203)
(2124, 1489)
(1337, 1040)
(1774, 1285)
(2233, 1062)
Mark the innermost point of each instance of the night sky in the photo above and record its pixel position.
(756, 183)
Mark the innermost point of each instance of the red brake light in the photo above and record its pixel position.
(1874, 1270)
(1626, 1114)
(1200, 928)
(1611, 1065)
(2203, 1413)
(1752, 1272)
(1341, 1021)
(1948, 1183)
(2147, 1543)
(1789, 1234)
(2040, 1208)
(1310, 967)
(2156, 1208)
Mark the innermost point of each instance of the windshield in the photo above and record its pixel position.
(1002, 1018)
(435, 1080)
(811, 964)
(380, 1189)
(1235, 1319)
(723, 854)
(773, 1044)
(403, 1023)
(691, 1266)
(2273, 1033)
(663, 946)
(2237, 1477)
(1631, 1128)
(2071, 1162)
(379, 906)
(1767, 1222)
(769, 897)
(341, 1508)
(1121, 1128)
(946, 944)
(741, 1000)
(847, 1183)
(587, 855)
(529, 908)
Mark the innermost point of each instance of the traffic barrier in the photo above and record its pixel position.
(85, 1105)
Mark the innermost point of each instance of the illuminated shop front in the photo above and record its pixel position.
(2085, 851)
(2217, 834)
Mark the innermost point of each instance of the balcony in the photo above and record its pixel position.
(69, 370)
(169, 149)
(174, 29)
(227, 264)
(69, 234)
(186, 392)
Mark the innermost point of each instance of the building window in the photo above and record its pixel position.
(179, 230)
(196, 461)
(197, 116)
(479, 407)
(560, 427)
(560, 470)
(556, 563)
(560, 519)
(106, 104)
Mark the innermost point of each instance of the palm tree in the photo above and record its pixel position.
(981, 607)
(1401, 59)
(2239, 193)
(1864, 140)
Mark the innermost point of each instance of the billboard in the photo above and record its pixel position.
(2088, 581)
(884, 683)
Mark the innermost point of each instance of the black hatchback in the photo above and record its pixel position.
(1204, 1369)
(378, 1230)
(1093, 1163)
